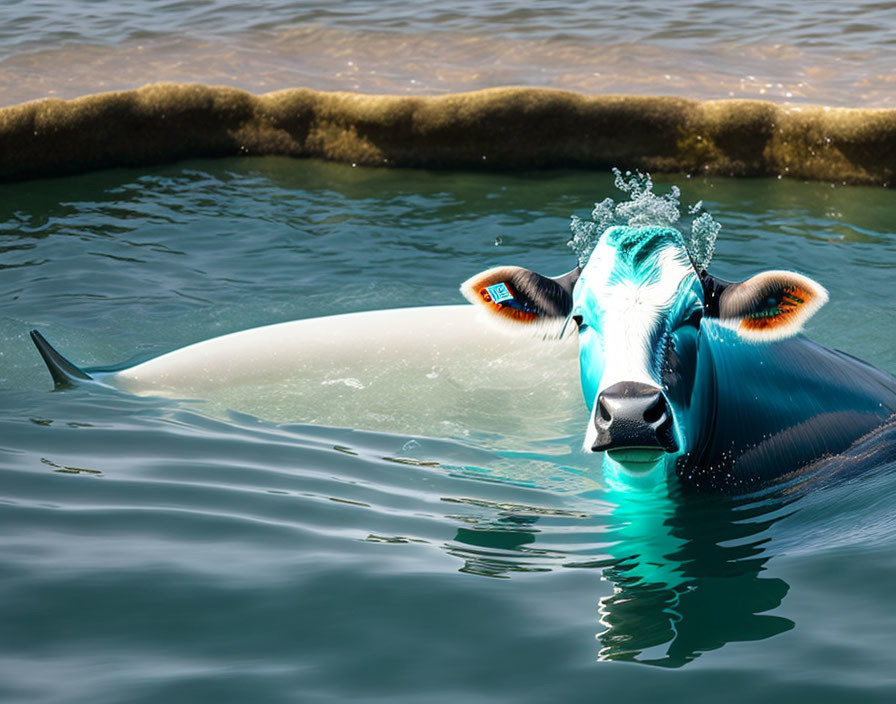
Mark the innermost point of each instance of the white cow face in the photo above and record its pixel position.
(640, 306)
(636, 293)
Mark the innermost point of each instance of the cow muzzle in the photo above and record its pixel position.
(631, 415)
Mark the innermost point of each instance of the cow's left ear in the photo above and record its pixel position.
(768, 306)
(517, 295)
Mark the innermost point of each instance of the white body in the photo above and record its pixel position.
(434, 371)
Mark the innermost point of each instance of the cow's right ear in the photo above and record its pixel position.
(771, 305)
(518, 295)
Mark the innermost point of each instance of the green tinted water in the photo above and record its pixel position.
(153, 551)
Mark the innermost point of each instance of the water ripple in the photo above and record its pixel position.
(162, 550)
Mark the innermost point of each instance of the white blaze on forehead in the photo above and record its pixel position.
(632, 311)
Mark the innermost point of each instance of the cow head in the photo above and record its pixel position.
(642, 309)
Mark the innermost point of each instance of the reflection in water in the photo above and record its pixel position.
(499, 546)
(687, 579)
(685, 569)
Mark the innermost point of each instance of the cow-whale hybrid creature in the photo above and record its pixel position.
(685, 372)
(682, 372)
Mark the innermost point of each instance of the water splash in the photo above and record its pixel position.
(645, 208)
(702, 241)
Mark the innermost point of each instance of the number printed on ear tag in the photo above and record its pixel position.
(499, 293)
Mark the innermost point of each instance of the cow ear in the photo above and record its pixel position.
(769, 306)
(517, 295)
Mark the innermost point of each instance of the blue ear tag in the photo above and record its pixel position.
(499, 293)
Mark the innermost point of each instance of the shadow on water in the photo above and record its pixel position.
(686, 571)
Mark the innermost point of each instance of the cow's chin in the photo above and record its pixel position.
(636, 462)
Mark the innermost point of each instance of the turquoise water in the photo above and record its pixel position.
(821, 52)
(152, 550)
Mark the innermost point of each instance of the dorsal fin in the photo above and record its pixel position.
(64, 373)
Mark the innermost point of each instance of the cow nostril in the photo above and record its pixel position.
(632, 415)
(656, 410)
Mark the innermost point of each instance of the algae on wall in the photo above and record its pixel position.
(498, 128)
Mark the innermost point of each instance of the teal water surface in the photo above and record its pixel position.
(151, 550)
